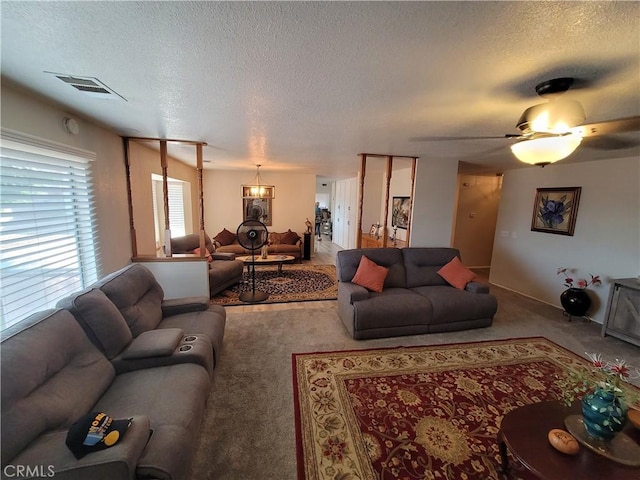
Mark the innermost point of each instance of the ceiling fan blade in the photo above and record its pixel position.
(610, 143)
(608, 127)
(453, 139)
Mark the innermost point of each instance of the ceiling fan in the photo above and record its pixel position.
(551, 131)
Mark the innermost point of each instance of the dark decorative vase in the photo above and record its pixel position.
(604, 414)
(575, 301)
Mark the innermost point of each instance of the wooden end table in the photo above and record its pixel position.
(278, 260)
(524, 430)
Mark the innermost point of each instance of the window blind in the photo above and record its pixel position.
(47, 225)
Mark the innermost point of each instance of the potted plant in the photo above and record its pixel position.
(574, 299)
(604, 400)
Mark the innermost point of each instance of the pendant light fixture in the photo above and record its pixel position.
(257, 189)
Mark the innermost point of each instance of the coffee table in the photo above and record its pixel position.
(278, 260)
(524, 433)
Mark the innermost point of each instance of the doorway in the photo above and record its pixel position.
(478, 198)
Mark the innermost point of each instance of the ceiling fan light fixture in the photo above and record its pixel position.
(257, 189)
(545, 150)
(556, 116)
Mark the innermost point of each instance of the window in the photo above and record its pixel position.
(47, 225)
(179, 195)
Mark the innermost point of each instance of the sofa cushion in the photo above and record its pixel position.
(347, 262)
(370, 275)
(225, 237)
(174, 400)
(451, 305)
(51, 375)
(456, 274)
(137, 294)
(423, 263)
(381, 311)
(100, 319)
(290, 238)
(188, 243)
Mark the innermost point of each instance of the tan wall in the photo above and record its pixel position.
(145, 161)
(294, 202)
(476, 216)
(33, 116)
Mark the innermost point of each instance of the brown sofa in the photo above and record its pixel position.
(285, 243)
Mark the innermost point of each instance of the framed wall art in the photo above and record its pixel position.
(555, 210)
(257, 209)
(400, 211)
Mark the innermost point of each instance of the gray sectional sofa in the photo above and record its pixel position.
(117, 348)
(224, 269)
(414, 299)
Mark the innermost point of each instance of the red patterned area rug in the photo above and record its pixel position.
(424, 413)
(295, 283)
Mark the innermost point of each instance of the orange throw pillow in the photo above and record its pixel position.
(370, 275)
(456, 274)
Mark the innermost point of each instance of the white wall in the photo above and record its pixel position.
(434, 203)
(33, 116)
(294, 202)
(606, 240)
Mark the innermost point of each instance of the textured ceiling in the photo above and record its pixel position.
(306, 86)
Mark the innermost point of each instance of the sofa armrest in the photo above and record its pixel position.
(223, 256)
(477, 287)
(49, 453)
(177, 306)
(153, 343)
(354, 292)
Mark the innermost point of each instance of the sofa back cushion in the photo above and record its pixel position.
(100, 319)
(189, 243)
(51, 375)
(347, 262)
(137, 294)
(423, 263)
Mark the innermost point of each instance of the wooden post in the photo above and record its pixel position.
(414, 162)
(127, 167)
(165, 195)
(363, 169)
(386, 199)
(200, 198)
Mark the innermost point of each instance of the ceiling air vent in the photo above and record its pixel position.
(90, 86)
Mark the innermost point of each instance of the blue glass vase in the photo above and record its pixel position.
(603, 413)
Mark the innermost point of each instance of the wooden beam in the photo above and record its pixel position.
(172, 140)
(413, 177)
(363, 169)
(200, 198)
(127, 167)
(386, 199)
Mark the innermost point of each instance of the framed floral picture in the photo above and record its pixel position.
(555, 210)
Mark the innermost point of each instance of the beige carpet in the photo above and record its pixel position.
(248, 432)
(295, 283)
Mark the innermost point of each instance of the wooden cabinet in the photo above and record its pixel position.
(623, 311)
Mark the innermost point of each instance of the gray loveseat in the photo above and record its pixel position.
(117, 348)
(414, 299)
